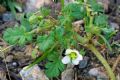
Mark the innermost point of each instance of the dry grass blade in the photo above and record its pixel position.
(2, 51)
(116, 63)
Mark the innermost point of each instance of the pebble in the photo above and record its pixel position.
(33, 5)
(33, 73)
(15, 64)
(12, 65)
(114, 25)
(68, 74)
(83, 63)
(93, 72)
(98, 74)
(7, 17)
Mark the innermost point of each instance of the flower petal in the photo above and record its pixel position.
(66, 60)
(75, 62)
(79, 57)
(68, 51)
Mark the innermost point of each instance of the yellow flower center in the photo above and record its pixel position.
(73, 55)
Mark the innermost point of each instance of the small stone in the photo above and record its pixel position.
(15, 64)
(33, 73)
(33, 5)
(68, 74)
(93, 72)
(9, 58)
(114, 25)
(8, 17)
(83, 63)
(96, 72)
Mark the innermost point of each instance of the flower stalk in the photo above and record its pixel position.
(103, 61)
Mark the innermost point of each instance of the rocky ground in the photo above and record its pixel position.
(14, 58)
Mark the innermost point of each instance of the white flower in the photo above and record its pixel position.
(72, 56)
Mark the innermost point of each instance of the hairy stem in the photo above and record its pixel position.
(62, 3)
(103, 61)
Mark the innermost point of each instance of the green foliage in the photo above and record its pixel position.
(95, 6)
(101, 20)
(54, 66)
(17, 35)
(45, 42)
(59, 35)
(82, 52)
(108, 33)
(25, 23)
(74, 11)
(52, 35)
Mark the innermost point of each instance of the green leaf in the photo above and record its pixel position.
(82, 52)
(95, 6)
(26, 23)
(106, 42)
(45, 41)
(46, 23)
(65, 20)
(17, 35)
(81, 39)
(18, 6)
(108, 33)
(54, 67)
(101, 20)
(59, 33)
(74, 10)
(94, 30)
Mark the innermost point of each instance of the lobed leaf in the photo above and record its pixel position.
(45, 42)
(54, 67)
(17, 35)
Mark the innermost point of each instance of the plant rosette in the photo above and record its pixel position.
(72, 56)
